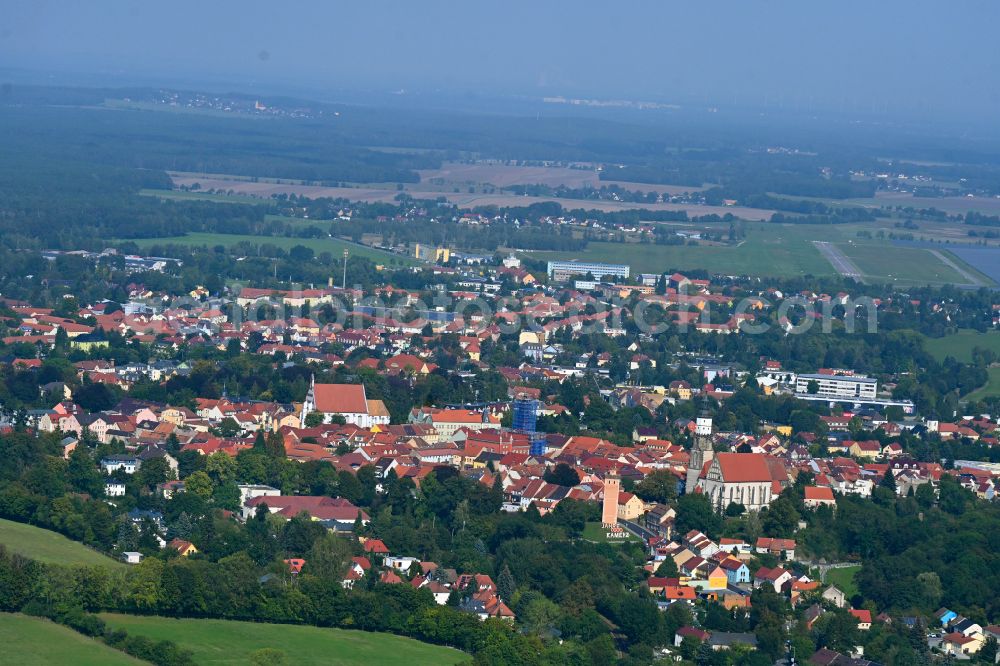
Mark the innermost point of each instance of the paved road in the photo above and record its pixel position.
(971, 279)
(636, 529)
(841, 263)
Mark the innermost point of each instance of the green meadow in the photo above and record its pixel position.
(32, 641)
(49, 547)
(218, 642)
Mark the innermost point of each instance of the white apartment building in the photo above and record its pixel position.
(837, 387)
(560, 270)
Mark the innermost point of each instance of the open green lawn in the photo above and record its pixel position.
(48, 546)
(776, 250)
(991, 388)
(908, 265)
(231, 642)
(844, 579)
(332, 245)
(31, 641)
(779, 250)
(597, 533)
(960, 344)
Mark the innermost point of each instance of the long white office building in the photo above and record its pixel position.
(560, 270)
(839, 386)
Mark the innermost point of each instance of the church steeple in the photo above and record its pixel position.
(701, 450)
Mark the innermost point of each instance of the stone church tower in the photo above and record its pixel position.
(701, 452)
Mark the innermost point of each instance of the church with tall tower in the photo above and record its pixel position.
(701, 452)
(750, 480)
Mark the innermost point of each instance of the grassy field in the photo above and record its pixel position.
(991, 388)
(230, 642)
(908, 265)
(959, 345)
(30, 641)
(769, 250)
(773, 250)
(844, 579)
(597, 533)
(48, 546)
(332, 245)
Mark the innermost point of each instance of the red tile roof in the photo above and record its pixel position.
(817, 493)
(375, 546)
(341, 398)
(744, 467)
(863, 616)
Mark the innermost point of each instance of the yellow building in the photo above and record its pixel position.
(717, 579)
(630, 506)
(428, 253)
(681, 389)
(88, 342)
(173, 415)
(865, 449)
(183, 548)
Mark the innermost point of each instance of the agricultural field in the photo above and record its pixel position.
(951, 205)
(959, 345)
(503, 175)
(654, 187)
(332, 245)
(265, 189)
(50, 547)
(769, 250)
(387, 193)
(218, 642)
(32, 641)
(985, 205)
(990, 389)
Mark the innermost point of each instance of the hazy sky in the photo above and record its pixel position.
(907, 57)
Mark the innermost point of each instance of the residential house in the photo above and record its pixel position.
(699, 635)
(784, 548)
(630, 506)
(817, 496)
(659, 520)
(773, 577)
(956, 644)
(111, 464)
(864, 618)
(723, 640)
(183, 548)
(737, 572)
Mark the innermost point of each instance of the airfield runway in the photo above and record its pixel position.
(839, 260)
